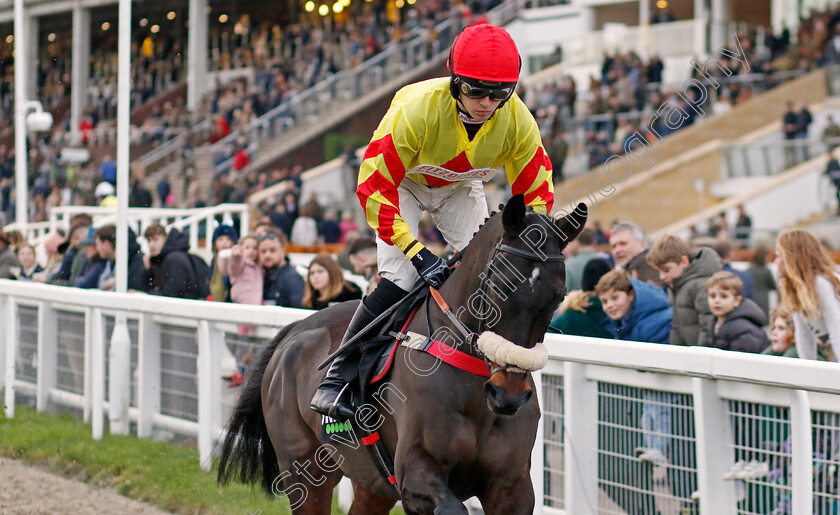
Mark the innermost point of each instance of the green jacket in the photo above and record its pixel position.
(219, 288)
(582, 323)
(790, 353)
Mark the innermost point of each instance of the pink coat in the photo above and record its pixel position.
(246, 278)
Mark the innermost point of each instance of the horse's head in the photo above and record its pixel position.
(522, 283)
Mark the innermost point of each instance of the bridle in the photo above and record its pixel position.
(471, 337)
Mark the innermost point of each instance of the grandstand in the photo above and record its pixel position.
(669, 113)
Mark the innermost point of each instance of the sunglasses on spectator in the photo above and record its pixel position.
(473, 91)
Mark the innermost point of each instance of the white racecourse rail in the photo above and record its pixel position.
(601, 400)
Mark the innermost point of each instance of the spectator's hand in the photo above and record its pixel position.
(146, 261)
(236, 251)
(109, 284)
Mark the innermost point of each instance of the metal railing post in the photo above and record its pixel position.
(802, 462)
(10, 332)
(714, 458)
(97, 386)
(580, 401)
(148, 374)
(538, 453)
(47, 354)
(119, 376)
(209, 391)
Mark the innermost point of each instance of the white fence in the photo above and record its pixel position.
(194, 220)
(601, 400)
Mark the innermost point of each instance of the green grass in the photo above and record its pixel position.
(162, 474)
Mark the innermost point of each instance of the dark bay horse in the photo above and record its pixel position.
(453, 434)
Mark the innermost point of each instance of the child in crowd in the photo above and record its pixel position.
(224, 237)
(685, 274)
(28, 266)
(241, 266)
(737, 326)
(639, 311)
(781, 333)
(325, 284)
(811, 289)
(738, 321)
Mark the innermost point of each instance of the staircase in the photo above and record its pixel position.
(685, 163)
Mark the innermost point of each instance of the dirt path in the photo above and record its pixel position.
(28, 490)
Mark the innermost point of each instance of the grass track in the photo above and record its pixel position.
(158, 473)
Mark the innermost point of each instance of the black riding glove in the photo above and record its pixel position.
(432, 269)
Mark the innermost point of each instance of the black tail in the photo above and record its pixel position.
(247, 448)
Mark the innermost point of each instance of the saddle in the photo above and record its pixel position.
(376, 357)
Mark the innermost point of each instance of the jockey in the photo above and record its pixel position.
(436, 143)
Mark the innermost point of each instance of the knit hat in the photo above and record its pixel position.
(592, 273)
(226, 230)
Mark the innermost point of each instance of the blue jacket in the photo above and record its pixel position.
(647, 320)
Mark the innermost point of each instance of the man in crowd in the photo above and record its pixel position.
(169, 271)
(282, 285)
(626, 241)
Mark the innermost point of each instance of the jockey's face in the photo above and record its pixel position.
(479, 109)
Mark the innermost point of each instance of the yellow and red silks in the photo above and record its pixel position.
(422, 127)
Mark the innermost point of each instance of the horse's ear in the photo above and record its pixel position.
(513, 216)
(571, 225)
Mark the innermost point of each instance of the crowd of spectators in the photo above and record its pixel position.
(284, 59)
(688, 294)
(619, 100)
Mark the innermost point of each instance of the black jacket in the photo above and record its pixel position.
(171, 273)
(137, 279)
(348, 292)
(283, 286)
(741, 330)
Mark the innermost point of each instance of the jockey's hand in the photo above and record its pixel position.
(432, 269)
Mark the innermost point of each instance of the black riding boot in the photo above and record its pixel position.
(332, 397)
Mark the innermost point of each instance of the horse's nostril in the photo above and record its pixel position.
(530, 394)
(490, 392)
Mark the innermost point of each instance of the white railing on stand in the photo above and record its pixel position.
(603, 402)
(193, 220)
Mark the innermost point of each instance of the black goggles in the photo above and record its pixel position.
(501, 92)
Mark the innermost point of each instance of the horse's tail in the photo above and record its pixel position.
(247, 447)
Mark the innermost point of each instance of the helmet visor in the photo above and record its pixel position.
(500, 92)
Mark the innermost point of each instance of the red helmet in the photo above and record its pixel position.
(485, 52)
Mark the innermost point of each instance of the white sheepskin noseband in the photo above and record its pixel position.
(505, 352)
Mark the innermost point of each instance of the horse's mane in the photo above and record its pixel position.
(528, 209)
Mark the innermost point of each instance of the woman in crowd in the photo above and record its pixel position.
(581, 312)
(325, 284)
(28, 265)
(811, 289)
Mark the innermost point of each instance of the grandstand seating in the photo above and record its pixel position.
(658, 196)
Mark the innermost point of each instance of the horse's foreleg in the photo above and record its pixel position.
(505, 497)
(423, 485)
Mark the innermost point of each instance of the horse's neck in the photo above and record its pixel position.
(456, 292)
